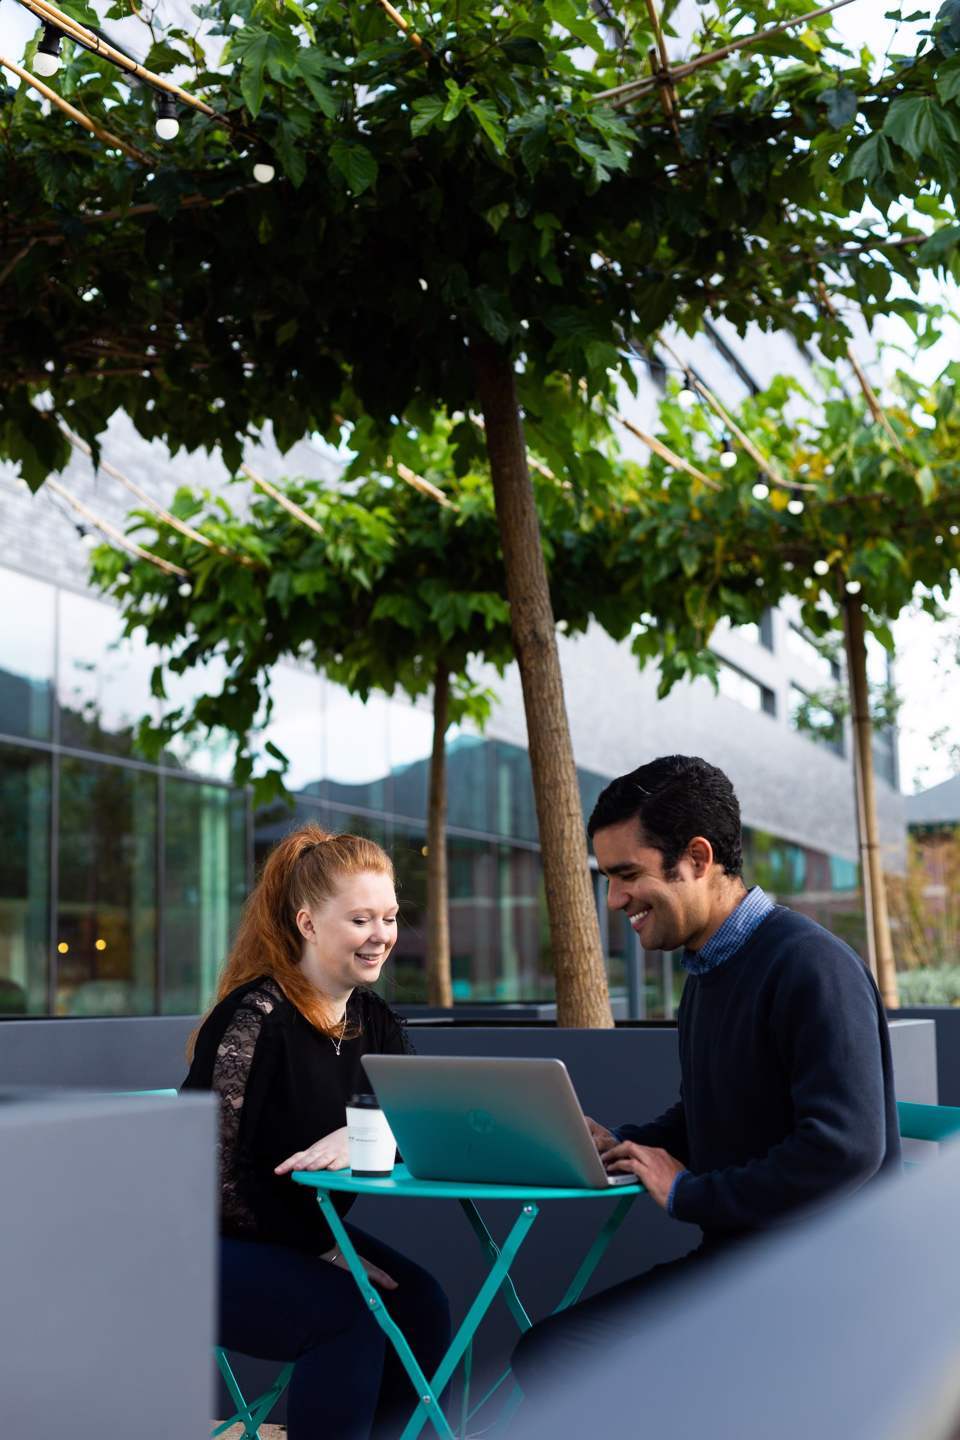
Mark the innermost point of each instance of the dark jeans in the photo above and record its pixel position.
(557, 1353)
(281, 1304)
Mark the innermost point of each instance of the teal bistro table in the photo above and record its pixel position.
(402, 1184)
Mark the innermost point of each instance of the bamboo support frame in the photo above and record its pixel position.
(661, 71)
(179, 525)
(623, 94)
(73, 30)
(112, 533)
(869, 394)
(401, 24)
(670, 457)
(106, 137)
(417, 482)
(762, 463)
(289, 505)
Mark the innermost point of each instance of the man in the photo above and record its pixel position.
(787, 1095)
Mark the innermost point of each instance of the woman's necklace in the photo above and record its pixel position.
(343, 1030)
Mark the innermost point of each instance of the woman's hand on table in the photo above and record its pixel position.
(601, 1136)
(380, 1278)
(330, 1153)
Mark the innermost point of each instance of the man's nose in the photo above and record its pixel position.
(616, 894)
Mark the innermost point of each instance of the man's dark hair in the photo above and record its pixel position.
(673, 799)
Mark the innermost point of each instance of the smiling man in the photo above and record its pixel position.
(787, 1094)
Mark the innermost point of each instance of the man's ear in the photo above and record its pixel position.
(305, 925)
(700, 852)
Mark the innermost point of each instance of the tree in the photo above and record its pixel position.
(367, 580)
(851, 518)
(465, 214)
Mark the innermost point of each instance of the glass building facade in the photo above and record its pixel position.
(121, 881)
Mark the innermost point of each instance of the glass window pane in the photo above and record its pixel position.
(522, 918)
(474, 928)
(516, 813)
(208, 752)
(357, 760)
(813, 719)
(405, 974)
(105, 938)
(411, 745)
(468, 781)
(26, 656)
(24, 881)
(273, 822)
(104, 683)
(296, 727)
(204, 886)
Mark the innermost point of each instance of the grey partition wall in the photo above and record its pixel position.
(108, 1221)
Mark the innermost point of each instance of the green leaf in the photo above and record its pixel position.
(313, 68)
(356, 164)
(486, 117)
(871, 159)
(926, 483)
(486, 306)
(920, 125)
(948, 81)
(941, 243)
(427, 112)
(842, 105)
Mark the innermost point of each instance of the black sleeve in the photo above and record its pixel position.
(668, 1132)
(826, 1020)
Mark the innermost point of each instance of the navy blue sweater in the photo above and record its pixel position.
(787, 1081)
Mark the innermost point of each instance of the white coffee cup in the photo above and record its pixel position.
(373, 1150)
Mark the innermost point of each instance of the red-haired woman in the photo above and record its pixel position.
(282, 1048)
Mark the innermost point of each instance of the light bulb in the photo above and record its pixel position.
(45, 65)
(820, 567)
(853, 587)
(795, 507)
(788, 565)
(728, 458)
(47, 59)
(185, 589)
(687, 398)
(167, 126)
(760, 491)
(87, 539)
(263, 172)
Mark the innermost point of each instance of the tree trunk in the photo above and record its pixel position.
(582, 996)
(879, 947)
(439, 987)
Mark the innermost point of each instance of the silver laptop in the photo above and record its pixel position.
(496, 1121)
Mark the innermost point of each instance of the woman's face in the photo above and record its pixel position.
(348, 937)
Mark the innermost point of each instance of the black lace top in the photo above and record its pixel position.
(282, 1087)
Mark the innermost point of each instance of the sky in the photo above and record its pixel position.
(927, 669)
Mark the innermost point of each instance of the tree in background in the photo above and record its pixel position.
(925, 903)
(482, 214)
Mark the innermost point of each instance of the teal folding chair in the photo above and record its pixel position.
(251, 1414)
(928, 1122)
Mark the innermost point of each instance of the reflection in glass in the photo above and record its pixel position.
(468, 782)
(204, 887)
(411, 745)
(404, 979)
(357, 759)
(474, 931)
(208, 752)
(104, 681)
(525, 971)
(24, 881)
(271, 823)
(296, 727)
(105, 937)
(516, 813)
(26, 656)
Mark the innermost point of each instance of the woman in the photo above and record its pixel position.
(282, 1048)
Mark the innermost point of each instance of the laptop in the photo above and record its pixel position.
(493, 1121)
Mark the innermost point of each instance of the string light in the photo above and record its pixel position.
(263, 172)
(47, 59)
(687, 396)
(728, 456)
(167, 126)
(760, 490)
(795, 507)
(87, 539)
(853, 587)
(185, 589)
(820, 567)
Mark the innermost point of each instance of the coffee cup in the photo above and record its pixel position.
(372, 1148)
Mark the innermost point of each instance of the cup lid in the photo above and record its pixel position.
(364, 1102)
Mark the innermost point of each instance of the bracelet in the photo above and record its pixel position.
(332, 1259)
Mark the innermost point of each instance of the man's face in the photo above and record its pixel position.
(664, 913)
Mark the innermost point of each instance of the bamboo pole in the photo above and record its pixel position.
(869, 394)
(112, 533)
(148, 500)
(674, 460)
(401, 24)
(91, 41)
(106, 137)
(662, 73)
(417, 482)
(289, 505)
(633, 88)
(879, 946)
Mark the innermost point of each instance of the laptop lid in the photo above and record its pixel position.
(491, 1120)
